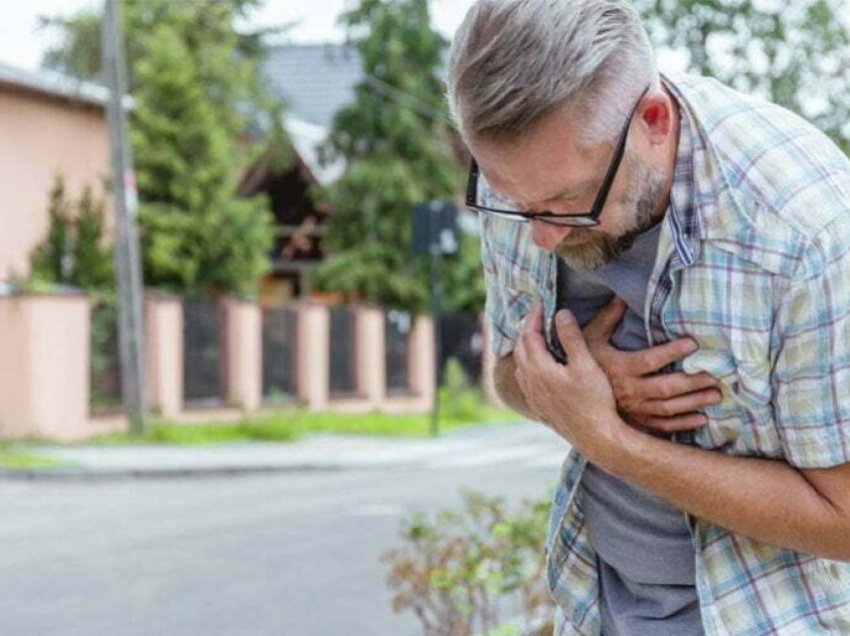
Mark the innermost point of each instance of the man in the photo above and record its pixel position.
(708, 404)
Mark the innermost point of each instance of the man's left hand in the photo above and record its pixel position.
(576, 399)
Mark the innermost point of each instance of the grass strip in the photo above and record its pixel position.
(288, 426)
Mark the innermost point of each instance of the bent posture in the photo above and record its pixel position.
(668, 283)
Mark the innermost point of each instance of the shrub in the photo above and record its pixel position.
(459, 400)
(477, 571)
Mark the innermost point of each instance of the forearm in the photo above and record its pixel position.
(504, 379)
(767, 500)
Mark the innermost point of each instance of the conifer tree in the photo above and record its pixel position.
(197, 93)
(394, 139)
(51, 259)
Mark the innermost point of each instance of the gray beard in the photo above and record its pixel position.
(595, 249)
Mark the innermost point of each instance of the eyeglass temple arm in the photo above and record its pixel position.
(472, 183)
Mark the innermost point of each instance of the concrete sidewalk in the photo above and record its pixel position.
(472, 446)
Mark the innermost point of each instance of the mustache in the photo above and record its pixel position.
(579, 235)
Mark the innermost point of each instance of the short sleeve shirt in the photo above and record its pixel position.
(753, 263)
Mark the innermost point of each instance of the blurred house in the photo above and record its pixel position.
(315, 82)
(50, 125)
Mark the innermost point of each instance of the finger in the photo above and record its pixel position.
(535, 319)
(663, 387)
(535, 347)
(679, 405)
(605, 321)
(571, 338)
(519, 352)
(689, 422)
(656, 358)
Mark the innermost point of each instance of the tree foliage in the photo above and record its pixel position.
(394, 138)
(796, 54)
(198, 95)
(73, 252)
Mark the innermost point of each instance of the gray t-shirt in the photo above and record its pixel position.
(646, 558)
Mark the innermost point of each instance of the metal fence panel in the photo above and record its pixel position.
(342, 380)
(461, 337)
(397, 326)
(279, 337)
(203, 359)
(105, 360)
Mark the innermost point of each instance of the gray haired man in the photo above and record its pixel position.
(668, 283)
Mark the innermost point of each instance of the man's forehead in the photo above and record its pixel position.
(536, 174)
(542, 163)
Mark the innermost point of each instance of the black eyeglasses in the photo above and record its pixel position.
(588, 219)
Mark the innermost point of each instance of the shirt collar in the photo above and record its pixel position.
(682, 215)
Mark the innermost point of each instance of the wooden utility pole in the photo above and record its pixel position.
(127, 262)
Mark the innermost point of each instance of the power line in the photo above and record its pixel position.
(414, 102)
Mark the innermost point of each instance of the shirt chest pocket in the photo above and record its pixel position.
(731, 318)
(744, 422)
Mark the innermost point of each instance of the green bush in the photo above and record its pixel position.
(74, 251)
(462, 572)
(459, 400)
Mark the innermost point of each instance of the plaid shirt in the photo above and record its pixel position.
(753, 263)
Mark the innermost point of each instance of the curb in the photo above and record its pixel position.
(89, 475)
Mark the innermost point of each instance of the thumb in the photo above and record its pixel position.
(605, 321)
(571, 337)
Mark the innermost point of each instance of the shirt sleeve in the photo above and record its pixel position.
(811, 373)
(505, 306)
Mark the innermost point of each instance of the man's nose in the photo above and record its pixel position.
(547, 236)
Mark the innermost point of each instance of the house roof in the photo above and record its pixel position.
(55, 84)
(315, 80)
(307, 138)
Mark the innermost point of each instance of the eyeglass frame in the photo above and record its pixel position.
(588, 219)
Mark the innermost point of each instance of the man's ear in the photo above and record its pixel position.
(656, 114)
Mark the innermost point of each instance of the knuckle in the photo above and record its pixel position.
(665, 426)
(622, 389)
(656, 424)
(666, 389)
(665, 409)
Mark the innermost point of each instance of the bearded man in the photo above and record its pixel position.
(668, 286)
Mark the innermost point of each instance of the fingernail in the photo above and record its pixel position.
(691, 346)
(564, 317)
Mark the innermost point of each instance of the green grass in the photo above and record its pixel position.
(289, 425)
(12, 459)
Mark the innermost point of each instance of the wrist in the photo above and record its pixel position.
(605, 447)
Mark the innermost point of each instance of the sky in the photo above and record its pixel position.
(22, 42)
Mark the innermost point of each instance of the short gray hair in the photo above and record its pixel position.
(514, 61)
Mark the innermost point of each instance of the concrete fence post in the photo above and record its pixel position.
(44, 366)
(244, 355)
(421, 361)
(312, 354)
(370, 354)
(164, 339)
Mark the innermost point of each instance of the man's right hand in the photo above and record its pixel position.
(666, 402)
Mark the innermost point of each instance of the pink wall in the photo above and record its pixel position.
(42, 137)
(44, 367)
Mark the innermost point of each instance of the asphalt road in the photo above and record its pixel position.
(288, 554)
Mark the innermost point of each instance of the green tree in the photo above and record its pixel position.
(198, 99)
(94, 265)
(394, 139)
(51, 260)
(74, 252)
(794, 53)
